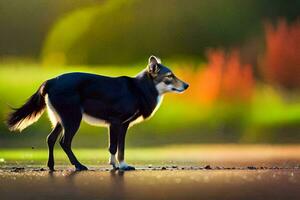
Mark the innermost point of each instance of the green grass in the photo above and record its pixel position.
(180, 154)
(165, 154)
(270, 108)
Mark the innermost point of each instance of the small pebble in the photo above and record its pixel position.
(207, 167)
(251, 167)
(17, 169)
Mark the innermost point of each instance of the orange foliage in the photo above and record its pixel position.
(223, 78)
(282, 58)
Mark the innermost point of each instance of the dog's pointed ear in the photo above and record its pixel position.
(154, 59)
(153, 66)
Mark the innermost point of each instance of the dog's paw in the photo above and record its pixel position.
(115, 166)
(125, 167)
(81, 168)
(51, 169)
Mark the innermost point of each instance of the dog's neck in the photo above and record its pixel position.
(149, 96)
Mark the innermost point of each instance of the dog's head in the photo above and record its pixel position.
(163, 78)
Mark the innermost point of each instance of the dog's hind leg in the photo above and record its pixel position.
(69, 113)
(71, 125)
(51, 139)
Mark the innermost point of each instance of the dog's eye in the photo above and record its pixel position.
(169, 76)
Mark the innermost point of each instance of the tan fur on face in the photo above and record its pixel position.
(163, 88)
(177, 84)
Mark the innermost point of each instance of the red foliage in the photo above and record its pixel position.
(281, 64)
(223, 78)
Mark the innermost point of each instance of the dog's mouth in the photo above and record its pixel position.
(177, 90)
(181, 89)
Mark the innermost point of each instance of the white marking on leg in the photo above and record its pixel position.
(113, 161)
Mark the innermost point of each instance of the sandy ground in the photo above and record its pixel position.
(213, 172)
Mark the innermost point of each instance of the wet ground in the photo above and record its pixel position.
(222, 173)
(169, 183)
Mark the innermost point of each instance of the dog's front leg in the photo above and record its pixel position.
(121, 149)
(113, 145)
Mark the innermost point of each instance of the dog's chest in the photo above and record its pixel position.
(140, 118)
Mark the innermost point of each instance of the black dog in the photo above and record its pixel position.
(116, 102)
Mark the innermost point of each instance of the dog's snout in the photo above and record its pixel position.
(186, 86)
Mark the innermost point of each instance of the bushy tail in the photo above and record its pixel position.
(29, 113)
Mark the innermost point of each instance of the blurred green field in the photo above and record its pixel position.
(268, 118)
(169, 155)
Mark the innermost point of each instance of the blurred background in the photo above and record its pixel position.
(240, 57)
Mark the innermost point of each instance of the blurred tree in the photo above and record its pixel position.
(281, 64)
(128, 30)
(25, 24)
(125, 31)
(223, 79)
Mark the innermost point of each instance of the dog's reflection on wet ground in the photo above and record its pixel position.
(170, 183)
(108, 183)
